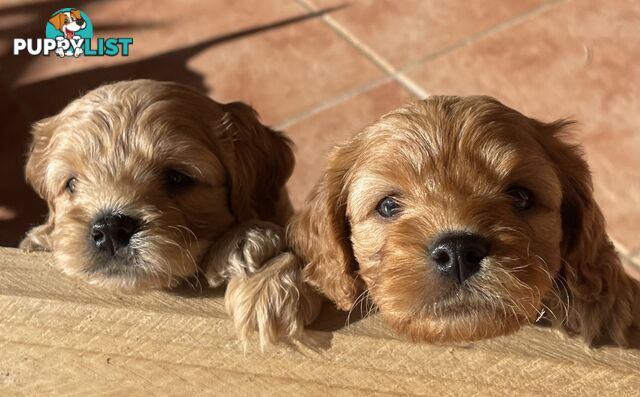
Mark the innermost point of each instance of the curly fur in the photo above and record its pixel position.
(266, 292)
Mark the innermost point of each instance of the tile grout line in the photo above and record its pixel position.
(506, 24)
(340, 98)
(369, 53)
(399, 74)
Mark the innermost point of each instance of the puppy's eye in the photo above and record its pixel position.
(71, 185)
(388, 207)
(523, 198)
(175, 180)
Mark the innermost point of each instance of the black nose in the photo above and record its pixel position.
(111, 232)
(459, 255)
(80, 21)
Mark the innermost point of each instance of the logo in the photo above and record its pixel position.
(69, 33)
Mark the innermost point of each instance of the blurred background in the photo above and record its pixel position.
(322, 69)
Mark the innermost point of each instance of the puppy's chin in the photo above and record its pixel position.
(458, 320)
(154, 259)
(428, 307)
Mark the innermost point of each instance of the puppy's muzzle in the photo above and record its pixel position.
(459, 255)
(112, 232)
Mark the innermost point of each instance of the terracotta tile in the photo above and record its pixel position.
(155, 29)
(285, 71)
(292, 62)
(315, 135)
(408, 31)
(571, 61)
(165, 39)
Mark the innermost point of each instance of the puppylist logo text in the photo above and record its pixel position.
(69, 33)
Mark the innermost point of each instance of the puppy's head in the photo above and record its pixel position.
(450, 213)
(142, 177)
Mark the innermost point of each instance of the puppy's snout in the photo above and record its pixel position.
(459, 255)
(111, 232)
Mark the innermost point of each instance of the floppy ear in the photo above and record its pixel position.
(259, 165)
(57, 20)
(37, 161)
(76, 14)
(38, 238)
(320, 233)
(603, 299)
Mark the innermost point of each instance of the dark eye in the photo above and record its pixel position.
(174, 180)
(388, 207)
(66, 20)
(71, 185)
(522, 197)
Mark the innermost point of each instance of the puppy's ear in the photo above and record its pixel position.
(38, 238)
(57, 20)
(259, 165)
(35, 170)
(603, 298)
(320, 233)
(76, 13)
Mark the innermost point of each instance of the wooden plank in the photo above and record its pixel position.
(61, 337)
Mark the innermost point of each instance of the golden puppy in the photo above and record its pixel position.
(149, 183)
(462, 219)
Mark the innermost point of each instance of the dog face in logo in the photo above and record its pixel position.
(68, 23)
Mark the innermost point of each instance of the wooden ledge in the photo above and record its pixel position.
(61, 337)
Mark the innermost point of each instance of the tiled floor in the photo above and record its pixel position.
(322, 69)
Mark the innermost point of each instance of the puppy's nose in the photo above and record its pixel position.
(80, 21)
(111, 232)
(458, 255)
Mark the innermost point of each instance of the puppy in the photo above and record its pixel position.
(462, 219)
(149, 183)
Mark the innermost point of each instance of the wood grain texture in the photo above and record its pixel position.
(61, 337)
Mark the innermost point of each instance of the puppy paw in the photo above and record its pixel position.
(37, 239)
(274, 302)
(244, 251)
(258, 245)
